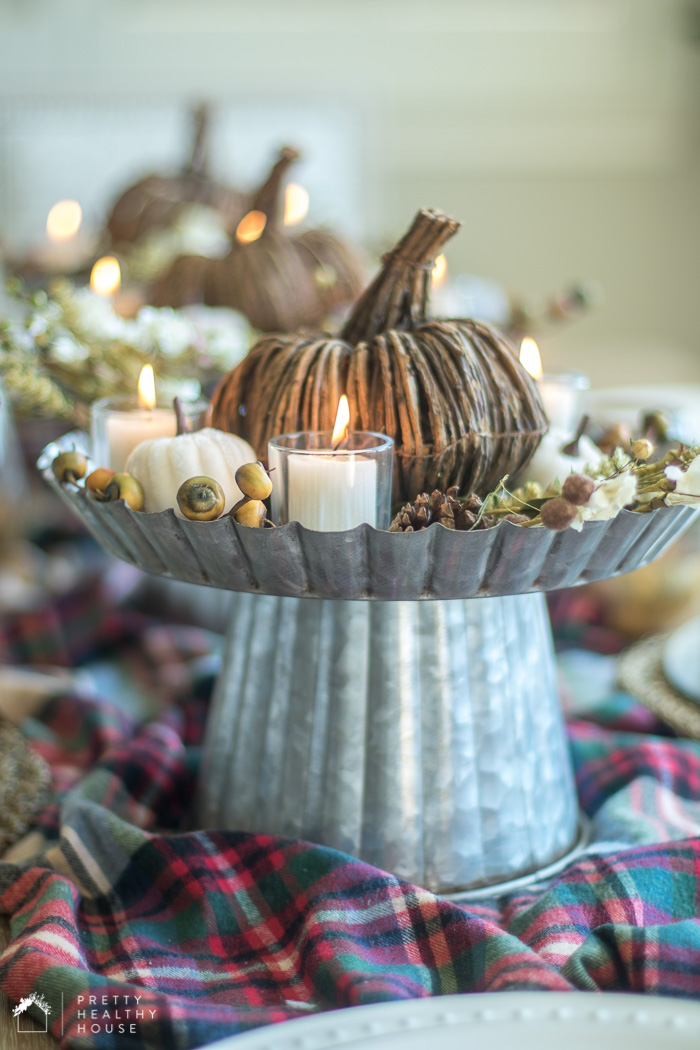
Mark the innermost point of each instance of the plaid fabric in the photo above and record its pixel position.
(578, 620)
(184, 938)
(64, 632)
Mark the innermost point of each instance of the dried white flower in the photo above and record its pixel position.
(687, 483)
(165, 330)
(68, 350)
(37, 326)
(224, 334)
(21, 337)
(607, 500)
(95, 316)
(617, 461)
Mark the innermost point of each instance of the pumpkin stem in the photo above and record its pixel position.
(571, 449)
(267, 199)
(198, 163)
(398, 296)
(182, 424)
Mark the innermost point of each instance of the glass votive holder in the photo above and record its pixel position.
(330, 490)
(562, 397)
(119, 424)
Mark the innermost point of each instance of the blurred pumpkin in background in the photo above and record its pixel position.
(278, 277)
(155, 201)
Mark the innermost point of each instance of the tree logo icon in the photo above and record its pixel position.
(26, 1023)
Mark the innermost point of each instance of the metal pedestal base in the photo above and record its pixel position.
(425, 738)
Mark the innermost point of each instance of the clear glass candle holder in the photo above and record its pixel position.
(118, 425)
(330, 490)
(562, 397)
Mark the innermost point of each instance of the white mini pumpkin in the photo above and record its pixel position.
(162, 464)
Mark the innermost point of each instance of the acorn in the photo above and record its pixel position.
(99, 479)
(250, 512)
(254, 481)
(557, 514)
(126, 487)
(201, 499)
(69, 466)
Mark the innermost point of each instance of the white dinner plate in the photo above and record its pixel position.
(681, 659)
(495, 1021)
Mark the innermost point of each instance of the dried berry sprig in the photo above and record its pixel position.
(640, 486)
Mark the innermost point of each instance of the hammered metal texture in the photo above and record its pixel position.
(425, 738)
(365, 563)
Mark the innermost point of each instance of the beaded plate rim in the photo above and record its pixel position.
(534, 1015)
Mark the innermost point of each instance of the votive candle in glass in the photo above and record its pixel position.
(331, 489)
(562, 397)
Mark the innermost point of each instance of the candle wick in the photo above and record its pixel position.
(342, 441)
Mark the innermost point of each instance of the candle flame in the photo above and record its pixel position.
(439, 271)
(342, 420)
(146, 396)
(296, 204)
(251, 227)
(106, 276)
(530, 357)
(63, 221)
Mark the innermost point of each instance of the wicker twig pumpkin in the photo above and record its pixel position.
(280, 279)
(461, 408)
(155, 201)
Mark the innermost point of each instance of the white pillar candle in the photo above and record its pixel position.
(331, 493)
(123, 431)
(561, 397)
(561, 394)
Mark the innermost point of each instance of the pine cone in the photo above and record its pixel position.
(413, 516)
(443, 507)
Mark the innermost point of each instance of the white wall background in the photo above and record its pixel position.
(564, 133)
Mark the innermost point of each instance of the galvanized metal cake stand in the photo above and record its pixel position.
(391, 695)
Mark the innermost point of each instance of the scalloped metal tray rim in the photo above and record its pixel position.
(365, 563)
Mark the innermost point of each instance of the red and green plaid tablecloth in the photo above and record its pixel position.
(138, 935)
